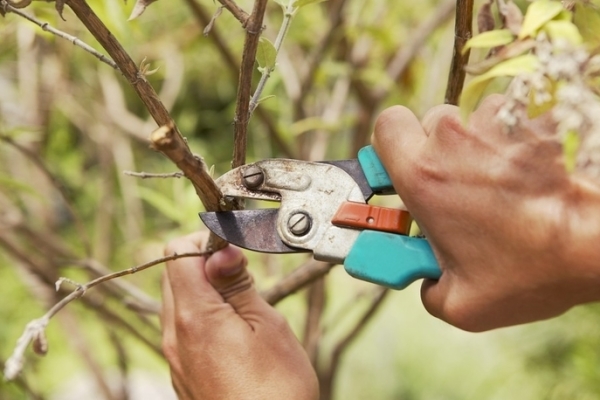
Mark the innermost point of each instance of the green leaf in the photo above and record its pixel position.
(302, 3)
(266, 55)
(587, 19)
(489, 39)
(571, 143)
(266, 98)
(474, 90)
(538, 14)
(563, 30)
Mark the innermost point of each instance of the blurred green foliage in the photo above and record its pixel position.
(81, 121)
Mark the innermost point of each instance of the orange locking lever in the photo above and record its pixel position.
(366, 216)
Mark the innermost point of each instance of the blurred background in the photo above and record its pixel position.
(70, 126)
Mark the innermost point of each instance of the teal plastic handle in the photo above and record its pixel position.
(376, 175)
(391, 260)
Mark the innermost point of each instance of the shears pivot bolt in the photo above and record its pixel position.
(253, 177)
(299, 223)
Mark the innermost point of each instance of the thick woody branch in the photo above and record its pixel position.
(463, 31)
(167, 139)
(242, 113)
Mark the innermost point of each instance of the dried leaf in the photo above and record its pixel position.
(40, 343)
(512, 67)
(211, 23)
(485, 18)
(538, 13)
(266, 54)
(512, 17)
(489, 39)
(139, 8)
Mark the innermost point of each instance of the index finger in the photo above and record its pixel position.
(187, 277)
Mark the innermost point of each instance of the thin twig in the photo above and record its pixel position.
(236, 11)
(254, 27)
(46, 27)
(232, 64)
(48, 277)
(463, 31)
(34, 331)
(288, 16)
(147, 175)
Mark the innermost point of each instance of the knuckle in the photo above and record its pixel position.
(388, 119)
(169, 349)
(280, 323)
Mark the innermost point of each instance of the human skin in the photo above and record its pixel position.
(516, 236)
(222, 340)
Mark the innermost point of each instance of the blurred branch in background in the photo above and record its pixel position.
(70, 127)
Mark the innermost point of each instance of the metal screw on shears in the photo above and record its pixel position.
(253, 177)
(299, 224)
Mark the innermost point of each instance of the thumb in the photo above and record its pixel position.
(226, 271)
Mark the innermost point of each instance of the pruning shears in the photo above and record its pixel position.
(324, 210)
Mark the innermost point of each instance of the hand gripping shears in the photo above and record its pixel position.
(324, 210)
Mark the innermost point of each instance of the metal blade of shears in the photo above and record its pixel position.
(254, 230)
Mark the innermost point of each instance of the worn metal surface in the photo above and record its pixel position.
(251, 229)
(353, 168)
(315, 189)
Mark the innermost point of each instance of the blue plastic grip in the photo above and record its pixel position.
(390, 260)
(376, 175)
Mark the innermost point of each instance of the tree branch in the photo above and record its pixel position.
(242, 113)
(35, 330)
(46, 27)
(230, 61)
(236, 11)
(463, 31)
(167, 138)
(327, 377)
(299, 278)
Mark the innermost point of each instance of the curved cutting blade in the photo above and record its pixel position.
(250, 229)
